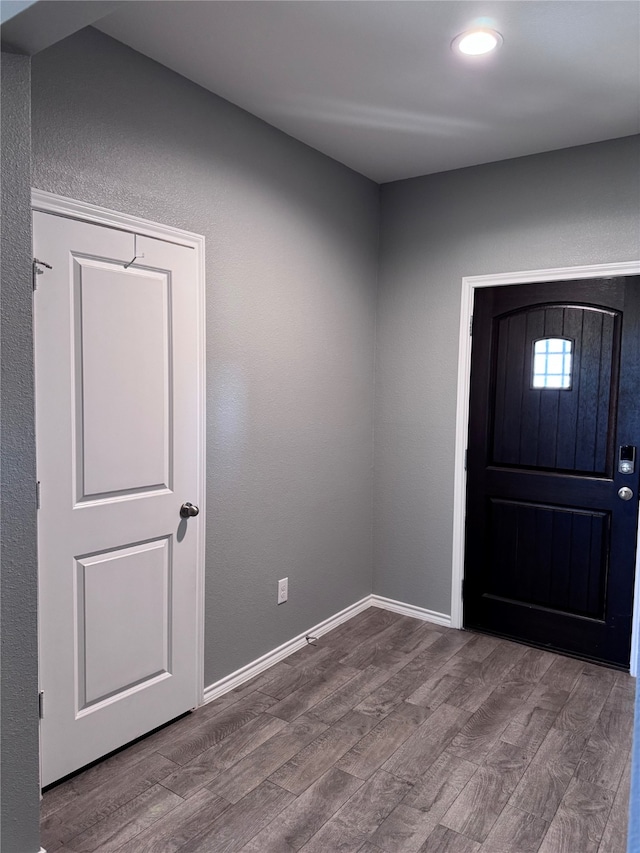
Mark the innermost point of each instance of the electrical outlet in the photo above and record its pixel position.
(283, 590)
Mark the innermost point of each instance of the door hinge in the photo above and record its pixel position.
(38, 494)
(41, 704)
(471, 325)
(36, 272)
(466, 453)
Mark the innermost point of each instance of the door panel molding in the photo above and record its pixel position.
(52, 203)
(469, 286)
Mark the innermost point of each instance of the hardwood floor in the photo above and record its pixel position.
(390, 736)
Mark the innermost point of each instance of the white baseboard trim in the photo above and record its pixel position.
(235, 679)
(411, 610)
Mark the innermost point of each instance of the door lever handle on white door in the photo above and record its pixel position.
(188, 510)
(625, 493)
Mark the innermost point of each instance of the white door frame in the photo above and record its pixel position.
(72, 209)
(469, 286)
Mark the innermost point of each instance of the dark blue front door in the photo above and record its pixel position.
(552, 511)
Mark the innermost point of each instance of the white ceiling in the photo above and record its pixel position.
(376, 86)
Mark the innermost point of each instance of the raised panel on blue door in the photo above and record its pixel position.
(549, 556)
(567, 428)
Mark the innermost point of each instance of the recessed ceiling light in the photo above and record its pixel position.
(477, 42)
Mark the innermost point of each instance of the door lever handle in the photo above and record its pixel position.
(188, 510)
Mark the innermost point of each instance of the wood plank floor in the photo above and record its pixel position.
(390, 735)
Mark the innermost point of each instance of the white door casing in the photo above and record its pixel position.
(469, 286)
(119, 410)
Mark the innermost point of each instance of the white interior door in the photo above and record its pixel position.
(117, 422)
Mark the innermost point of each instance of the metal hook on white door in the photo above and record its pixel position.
(135, 252)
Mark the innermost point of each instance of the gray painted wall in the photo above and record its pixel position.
(569, 207)
(633, 840)
(291, 271)
(19, 789)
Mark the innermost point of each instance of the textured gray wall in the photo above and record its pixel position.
(19, 789)
(576, 206)
(291, 274)
(633, 840)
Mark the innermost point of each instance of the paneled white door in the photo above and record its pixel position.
(117, 423)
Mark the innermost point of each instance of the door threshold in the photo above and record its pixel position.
(548, 648)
